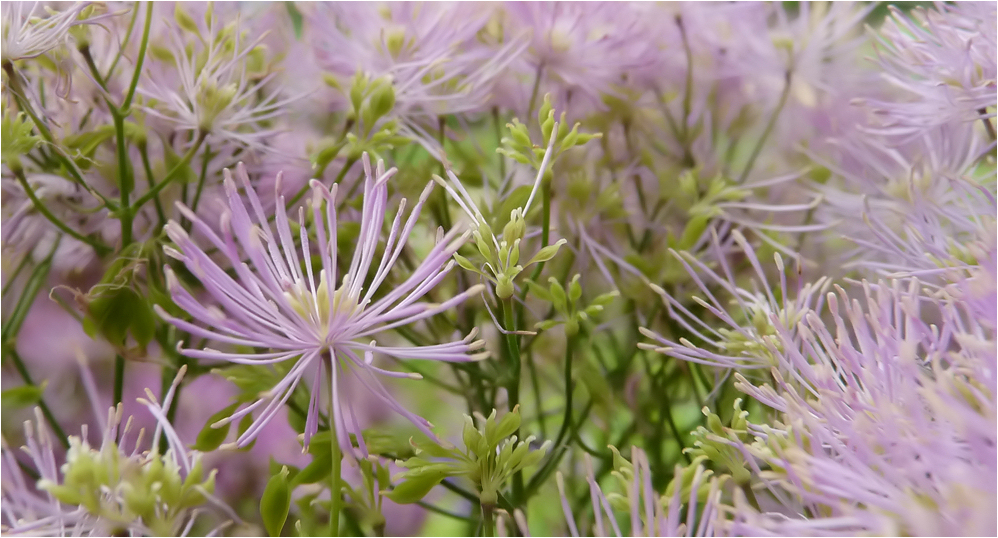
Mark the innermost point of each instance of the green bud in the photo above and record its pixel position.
(382, 100)
(184, 20)
(504, 287)
(275, 503)
(546, 253)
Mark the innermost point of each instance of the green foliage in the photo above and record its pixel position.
(715, 443)
(23, 396)
(276, 502)
(489, 459)
(568, 305)
(123, 489)
(16, 139)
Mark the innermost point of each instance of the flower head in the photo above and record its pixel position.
(223, 84)
(278, 301)
(27, 36)
(107, 489)
(650, 513)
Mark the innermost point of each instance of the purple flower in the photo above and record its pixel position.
(431, 53)
(747, 314)
(885, 423)
(278, 301)
(578, 51)
(107, 489)
(943, 63)
(27, 36)
(220, 92)
(650, 513)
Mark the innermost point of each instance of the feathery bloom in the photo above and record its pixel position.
(886, 424)
(578, 50)
(750, 331)
(920, 199)
(943, 62)
(110, 489)
(651, 514)
(28, 36)
(431, 52)
(276, 301)
(223, 85)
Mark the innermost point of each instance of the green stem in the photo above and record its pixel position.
(144, 154)
(204, 172)
(40, 207)
(153, 192)
(119, 379)
(537, 87)
(46, 411)
(502, 158)
(688, 88)
(128, 37)
(124, 178)
(488, 521)
(513, 388)
(566, 426)
(788, 77)
(335, 495)
(127, 103)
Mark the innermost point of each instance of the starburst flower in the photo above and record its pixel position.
(431, 53)
(747, 313)
(942, 61)
(650, 514)
(223, 84)
(28, 36)
(107, 489)
(276, 301)
(885, 424)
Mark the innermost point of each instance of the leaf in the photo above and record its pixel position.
(211, 438)
(546, 253)
(275, 503)
(23, 396)
(414, 488)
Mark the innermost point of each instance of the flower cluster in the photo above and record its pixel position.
(420, 268)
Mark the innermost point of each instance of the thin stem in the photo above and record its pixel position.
(441, 511)
(40, 207)
(127, 103)
(534, 91)
(488, 521)
(688, 88)
(513, 388)
(566, 425)
(153, 192)
(124, 179)
(502, 158)
(788, 77)
(119, 378)
(46, 411)
(128, 37)
(144, 154)
(335, 496)
(204, 172)
(13, 325)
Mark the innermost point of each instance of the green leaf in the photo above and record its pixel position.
(23, 396)
(546, 253)
(509, 424)
(414, 488)
(539, 291)
(211, 438)
(275, 503)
